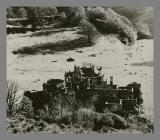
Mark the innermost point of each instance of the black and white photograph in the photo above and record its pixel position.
(80, 70)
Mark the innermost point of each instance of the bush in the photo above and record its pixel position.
(96, 13)
(101, 121)
(108, 21)
(76, 14)
(50, 48)
(12, 98)
(26, 107)
(140, 123)
(88, 30)
(21, 13)
(10, 13)
(47, 11)
(59, 108)
(34, 16)
(119, 122)
(70, 59)
(109, 120)
(63, 17)
(137, 14)
(66, 119)
(143, 30)
(85, 117)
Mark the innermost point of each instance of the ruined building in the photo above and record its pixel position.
(88, 85)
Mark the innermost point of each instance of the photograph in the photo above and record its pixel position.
(80, 70)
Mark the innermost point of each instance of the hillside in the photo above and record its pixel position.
(143, 15)
(44, 43)
(129, 23)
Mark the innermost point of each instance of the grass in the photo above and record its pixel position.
(141, 124)
(50, 48)
(67, 114)
(83, 119)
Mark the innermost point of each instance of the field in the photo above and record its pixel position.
(125, 63)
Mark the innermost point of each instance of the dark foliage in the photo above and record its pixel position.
(70, 59)
(50, 48)
(12, 98)
(108, 21)
(88, 30)
(21, 13)
(143, 30)
(144, 15)
(10, 13)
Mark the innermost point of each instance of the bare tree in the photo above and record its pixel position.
(12, 98)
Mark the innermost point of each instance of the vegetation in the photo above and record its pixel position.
(50, 48)
(128, 23)
(88, 30)
(21, 13)
(17, 104)
(143, 30)
(144, 15)
(65, 114)
(10, 13)
(107, 21)
(96, 13)
(12, 99)
(76, 15)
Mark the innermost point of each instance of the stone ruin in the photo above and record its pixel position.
(88, 85)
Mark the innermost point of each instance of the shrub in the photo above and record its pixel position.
(102, 120)
(143, 30)
(47, 11)
(34, 16)
(96, 13)
(21, 124)
(137, 14)
(85, 117)
(12, 98)
(63, 17)
(70, 59)
(10, 13)
(66, 119)
(26, 107)
(46, 115)
(21, 13)
(53, 47)
(111, 22)
(109, 120)
(18, 104)
(57, 109)
(76, 15)
(140, 123)
(88, 30)
(119, 122)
